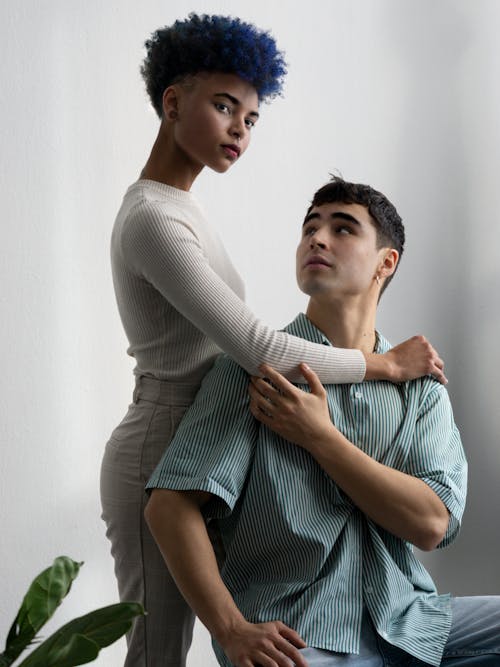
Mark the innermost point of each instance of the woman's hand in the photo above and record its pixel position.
(411, 359)
(296, 415)
(271, 644)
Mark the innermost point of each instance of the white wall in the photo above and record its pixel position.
(400, 94)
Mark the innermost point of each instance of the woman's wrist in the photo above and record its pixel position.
(378, 367)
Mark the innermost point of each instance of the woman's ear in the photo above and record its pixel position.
(170, 103)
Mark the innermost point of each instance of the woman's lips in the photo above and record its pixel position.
(231, 151)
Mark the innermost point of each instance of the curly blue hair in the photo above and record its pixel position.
(212, 44)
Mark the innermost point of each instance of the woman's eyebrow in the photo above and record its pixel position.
(235, 101)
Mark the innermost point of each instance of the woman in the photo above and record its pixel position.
(181, 300)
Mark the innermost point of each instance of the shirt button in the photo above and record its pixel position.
(383, 634)
(358, 394)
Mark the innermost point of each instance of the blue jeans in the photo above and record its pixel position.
(474, 641)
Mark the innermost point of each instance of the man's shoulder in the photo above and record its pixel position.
(224, 378)
(424, 386)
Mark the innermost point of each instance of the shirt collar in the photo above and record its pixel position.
(304, 328)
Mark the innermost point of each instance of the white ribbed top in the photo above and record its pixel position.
(181, 299)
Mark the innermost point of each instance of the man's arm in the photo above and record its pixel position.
(209, 458)
(400, 503)
(177, 524)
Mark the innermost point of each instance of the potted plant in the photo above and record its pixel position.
(76, 643)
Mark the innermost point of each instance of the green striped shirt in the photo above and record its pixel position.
(297, 548)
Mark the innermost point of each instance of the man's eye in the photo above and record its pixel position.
(343, 229)
(309, 230)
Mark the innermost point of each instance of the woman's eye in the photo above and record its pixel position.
(250, 123)
(223, 108)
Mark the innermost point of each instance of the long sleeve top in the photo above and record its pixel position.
(181, 301)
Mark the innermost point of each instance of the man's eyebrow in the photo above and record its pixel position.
(338, 214)
(345, 216)
(236, 102)
(310, 216)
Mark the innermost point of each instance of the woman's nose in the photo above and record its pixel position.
(238, 128)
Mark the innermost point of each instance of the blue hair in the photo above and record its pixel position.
(212, 44)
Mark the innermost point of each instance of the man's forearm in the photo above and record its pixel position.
(176, 522)
(402, 504)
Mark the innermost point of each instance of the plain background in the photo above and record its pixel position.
(401, 94)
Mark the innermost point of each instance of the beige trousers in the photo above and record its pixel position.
(163, 637)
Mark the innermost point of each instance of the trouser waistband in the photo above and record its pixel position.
(164, 392)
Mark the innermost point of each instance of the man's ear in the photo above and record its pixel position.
(389, 262)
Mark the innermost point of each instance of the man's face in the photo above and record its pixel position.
(337, 255)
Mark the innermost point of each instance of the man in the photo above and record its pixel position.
(320, 503)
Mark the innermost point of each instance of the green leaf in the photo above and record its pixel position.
(78, 651)
(80, 640)
(43, 597)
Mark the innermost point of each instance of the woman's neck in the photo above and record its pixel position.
(170, 165)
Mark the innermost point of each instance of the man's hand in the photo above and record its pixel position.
(263, 645)
(409, 360)
(296, 415)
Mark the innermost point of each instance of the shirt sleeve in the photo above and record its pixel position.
(438, 457)
(214, 444)
(168, 254)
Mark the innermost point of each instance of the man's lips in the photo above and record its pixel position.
(232, 150)
(317, 260)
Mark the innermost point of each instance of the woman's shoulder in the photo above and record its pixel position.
(150, 207)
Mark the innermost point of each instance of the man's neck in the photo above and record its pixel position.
(345, 324)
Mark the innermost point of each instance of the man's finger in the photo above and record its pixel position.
(278, 380)
(312, 380)
(259, 407)
(266, 389)
(291, 645)
(291, 636)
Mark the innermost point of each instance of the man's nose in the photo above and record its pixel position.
(317, 241)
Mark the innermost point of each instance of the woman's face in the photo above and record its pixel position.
(215, 116)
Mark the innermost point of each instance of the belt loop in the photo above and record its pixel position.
(135, 395)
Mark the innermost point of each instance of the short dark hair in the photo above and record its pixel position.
(387, 221)
(212, 44)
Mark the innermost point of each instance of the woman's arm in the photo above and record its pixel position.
(168, 254)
